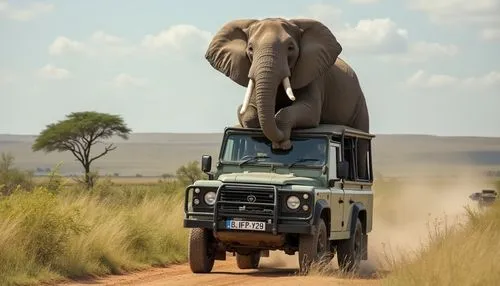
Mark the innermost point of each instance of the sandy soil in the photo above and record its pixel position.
(274, 270)
(401, 224)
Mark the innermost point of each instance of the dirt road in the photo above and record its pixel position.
(272, 272)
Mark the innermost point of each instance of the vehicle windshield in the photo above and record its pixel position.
(256, 150)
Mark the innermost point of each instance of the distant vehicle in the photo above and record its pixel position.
(308, 200)
(485, 198)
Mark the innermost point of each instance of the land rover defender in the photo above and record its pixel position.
(309, 199)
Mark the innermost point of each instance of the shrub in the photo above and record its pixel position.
(12, 178)
(189, 173)
(72, 233)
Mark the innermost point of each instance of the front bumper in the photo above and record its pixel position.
(293, 227)
(249, 202)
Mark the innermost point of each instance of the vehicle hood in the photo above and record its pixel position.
(267, 178)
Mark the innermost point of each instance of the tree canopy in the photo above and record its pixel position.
(78, 133)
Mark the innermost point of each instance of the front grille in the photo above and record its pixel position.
(247, 202)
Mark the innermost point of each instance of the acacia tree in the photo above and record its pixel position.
(78, 133)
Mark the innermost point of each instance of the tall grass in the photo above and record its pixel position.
(48, 234)
(462, 254)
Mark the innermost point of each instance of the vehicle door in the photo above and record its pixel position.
(336, 192)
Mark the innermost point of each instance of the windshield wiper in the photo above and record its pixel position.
(302, 160)
(254, 158)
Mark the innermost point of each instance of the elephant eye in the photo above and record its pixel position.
(291, 48)
(250, 49)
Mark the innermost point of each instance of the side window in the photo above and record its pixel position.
(334, 158)
(364, 164)
(349, 156)
(228, 154)
(357, 153)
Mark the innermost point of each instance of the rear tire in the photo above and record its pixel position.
(314, 248)
(349, 251)
(201, 250)
(250, 261)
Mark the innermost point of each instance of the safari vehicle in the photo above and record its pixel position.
(485, 198)
(307, 199)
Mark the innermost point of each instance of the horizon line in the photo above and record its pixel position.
(214, 133)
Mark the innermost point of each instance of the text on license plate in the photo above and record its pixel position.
(246, 225)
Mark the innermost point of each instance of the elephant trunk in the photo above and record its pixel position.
(267, 79)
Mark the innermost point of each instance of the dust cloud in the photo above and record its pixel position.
(403, 219)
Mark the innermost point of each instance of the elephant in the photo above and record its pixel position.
(293, 76)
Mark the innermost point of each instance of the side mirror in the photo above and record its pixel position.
(206, 163)
(342, 169)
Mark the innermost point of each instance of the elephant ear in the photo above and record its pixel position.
(319, 50)
(227, 50)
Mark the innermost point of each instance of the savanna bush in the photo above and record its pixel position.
(73, 232)
(12, 178)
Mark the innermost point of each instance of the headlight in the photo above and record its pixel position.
(209, 198)
(293, 202)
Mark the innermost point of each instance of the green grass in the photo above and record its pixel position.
(46, 234)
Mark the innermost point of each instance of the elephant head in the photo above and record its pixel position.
(262, 54)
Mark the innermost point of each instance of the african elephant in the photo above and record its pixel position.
(293, 75)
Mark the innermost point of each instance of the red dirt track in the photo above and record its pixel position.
(224, 273)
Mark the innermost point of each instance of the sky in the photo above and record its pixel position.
(425, 66)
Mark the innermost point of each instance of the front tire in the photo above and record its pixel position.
(201, 250)
(349, 251)
(314, 248)
(250, 261)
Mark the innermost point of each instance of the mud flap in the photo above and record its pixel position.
(365, 247)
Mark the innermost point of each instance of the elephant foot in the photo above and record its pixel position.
(283, 145)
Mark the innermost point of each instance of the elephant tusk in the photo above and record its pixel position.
(246, 100)
(288, 88)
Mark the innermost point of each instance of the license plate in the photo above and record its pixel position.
(246, 225)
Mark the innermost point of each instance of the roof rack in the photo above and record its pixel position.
(328, 129)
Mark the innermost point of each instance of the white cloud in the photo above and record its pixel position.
(99, 43)
(374, 36)
(459, 11)
(63, 45)
(490, 34)
(433, 49)
(422, 79)
(419, 52)
(25, 13)
(178, 38)
(381, 37)
(51, 72)
(126, 80)
(105, 38)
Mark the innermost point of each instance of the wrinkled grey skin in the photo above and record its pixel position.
(266, 51)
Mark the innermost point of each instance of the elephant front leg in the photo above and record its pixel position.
(301, 114)
(250, 118)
